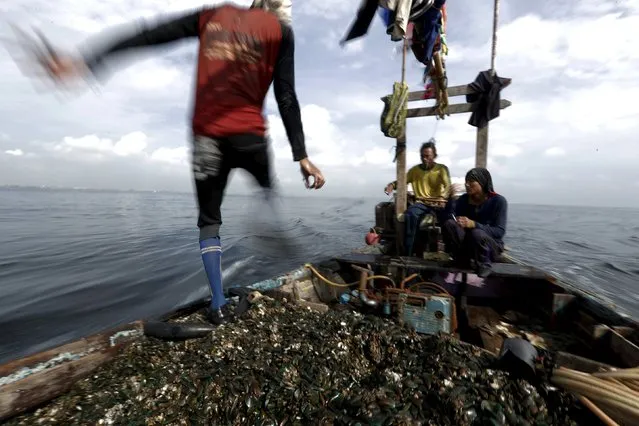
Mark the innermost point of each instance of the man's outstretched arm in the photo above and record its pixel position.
(284, 90)
(183, 26)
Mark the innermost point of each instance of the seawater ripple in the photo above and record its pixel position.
(74, 262)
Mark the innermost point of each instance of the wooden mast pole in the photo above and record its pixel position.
(400, 149)
(481, 147)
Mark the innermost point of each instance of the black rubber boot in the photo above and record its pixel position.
(221, 316)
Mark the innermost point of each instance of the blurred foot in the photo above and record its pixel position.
(484, 271)
(221, 316)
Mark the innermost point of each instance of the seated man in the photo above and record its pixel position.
(477, 231)
(431, 185)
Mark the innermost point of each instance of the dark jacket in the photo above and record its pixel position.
(490, 217)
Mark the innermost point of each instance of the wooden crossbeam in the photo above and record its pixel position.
(461, 90)
(452, 109)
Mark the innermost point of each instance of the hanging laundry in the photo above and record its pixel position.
(487, 97)
(419, 7)
(426, 33)
(363, 20)
(440, 80)
(396, 15)
(393, 118)
(401, 9)
(388, 18)
(429, 92)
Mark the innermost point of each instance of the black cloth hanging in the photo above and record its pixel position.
(362, 22)
(486, 98)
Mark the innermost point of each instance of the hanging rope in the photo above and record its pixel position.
(400, 146)
(393, 118)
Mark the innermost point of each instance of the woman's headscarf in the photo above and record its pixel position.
(483, 178)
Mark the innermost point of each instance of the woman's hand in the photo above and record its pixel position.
(464, 222)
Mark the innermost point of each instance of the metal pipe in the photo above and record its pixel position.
(370, 302)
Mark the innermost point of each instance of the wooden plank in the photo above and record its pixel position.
(575, 362)
(401, 194)
(504, 270)
(483, 320)
(39, 388)
(561, 305)
(452, 109)
(461, 90)
(627, 351)
(481, 147)
(623, 330)
(95, 342)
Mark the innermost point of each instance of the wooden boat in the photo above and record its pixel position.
(517, 299)
(589, 334)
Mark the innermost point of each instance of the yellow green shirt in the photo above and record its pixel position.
(429, 184)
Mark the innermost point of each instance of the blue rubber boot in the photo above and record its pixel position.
(211, 251)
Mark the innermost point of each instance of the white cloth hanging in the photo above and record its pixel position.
(281, 8)
(402, 14)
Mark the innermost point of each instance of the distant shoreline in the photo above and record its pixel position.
(368, 198)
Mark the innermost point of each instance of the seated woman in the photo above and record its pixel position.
(478, 230)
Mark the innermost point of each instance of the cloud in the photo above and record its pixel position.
(573, 91)
(325, 142)
(176, 156)
(555, 151)
(131, 144)
(330, 10)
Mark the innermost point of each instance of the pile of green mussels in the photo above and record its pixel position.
(284, 364)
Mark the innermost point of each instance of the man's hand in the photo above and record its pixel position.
(64, 69)
(389, 188)
(308, 169)
(464, 222)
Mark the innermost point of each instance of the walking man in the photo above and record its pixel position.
(241, 51)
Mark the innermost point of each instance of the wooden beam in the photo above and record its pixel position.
(461, 90)
(400, 157)
(44, 385)
(85, 345)
(481, 147)
(627, 352)
(33, 391)
(401, 194)
(452, 109)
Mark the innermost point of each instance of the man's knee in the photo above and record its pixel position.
(478, 234)
(209, 231)
(410, 214)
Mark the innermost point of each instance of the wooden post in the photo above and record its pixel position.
(481, 146)
(400, 146)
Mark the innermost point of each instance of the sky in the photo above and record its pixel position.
(568, 138)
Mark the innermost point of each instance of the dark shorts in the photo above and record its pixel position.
(212, 161)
